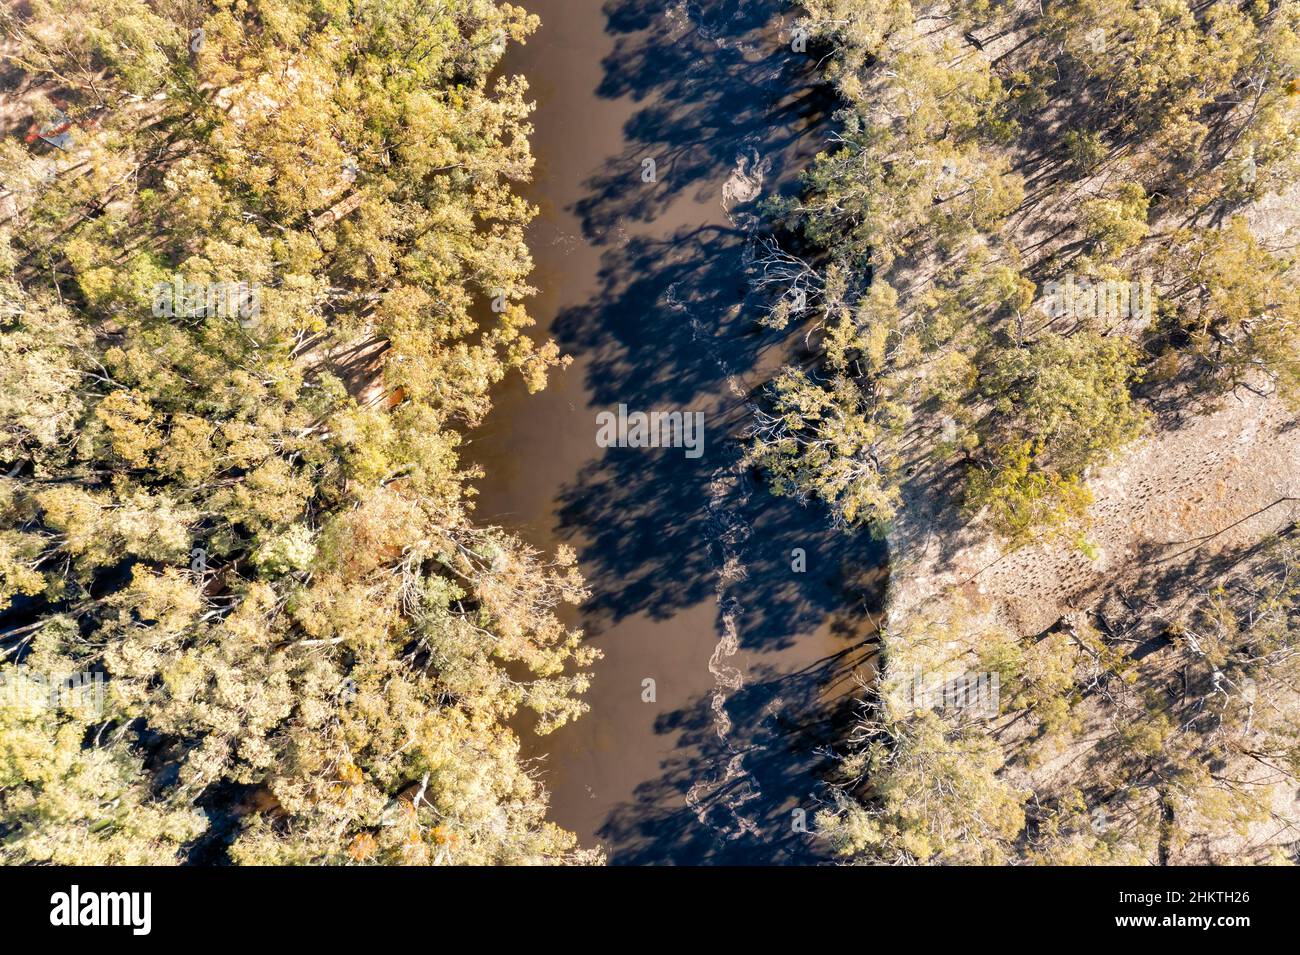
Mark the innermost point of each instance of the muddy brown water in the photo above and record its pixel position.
(642, 277)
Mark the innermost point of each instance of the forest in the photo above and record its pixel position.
(1034, 241)
(313, 650)
(265, 267)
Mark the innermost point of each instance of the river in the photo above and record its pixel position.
(697, 583)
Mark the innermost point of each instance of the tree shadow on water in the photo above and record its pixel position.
(715, 87)
(671, 325)
(739, 800)
(726, 116)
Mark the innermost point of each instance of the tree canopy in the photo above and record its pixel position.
(1035, 235)
(991, 151)
(312, 652)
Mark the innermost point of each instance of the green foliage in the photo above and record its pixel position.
(267, 549)
(986, 150)
(936, 797)
(1238, 304)
(960, 182)
(819, 441)
(1056, 406)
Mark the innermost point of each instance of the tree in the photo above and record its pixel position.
(312, 652)
(986, 151)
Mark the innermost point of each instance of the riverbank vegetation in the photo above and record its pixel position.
(1035, 238)
(245, 511)
(971, 251)
(1094, 754)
